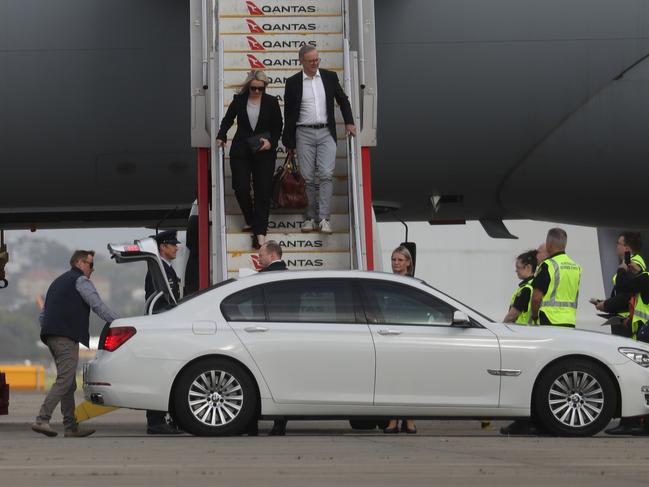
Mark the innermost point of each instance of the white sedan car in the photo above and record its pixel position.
(357, 345)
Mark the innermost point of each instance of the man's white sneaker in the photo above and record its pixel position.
(325, 227)
(308, 225)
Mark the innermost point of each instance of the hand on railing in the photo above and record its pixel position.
(350, 128)
(220, 143)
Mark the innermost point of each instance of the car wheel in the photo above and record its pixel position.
(574, 398)
(214, 397)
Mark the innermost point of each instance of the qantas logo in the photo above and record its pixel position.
(255, 262)
(253, 27)
(253, 9)
(254, 44)
(254, 62)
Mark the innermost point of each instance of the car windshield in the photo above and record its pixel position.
(482, 315)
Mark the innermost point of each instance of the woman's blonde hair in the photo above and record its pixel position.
(406, 253)
(254, 75)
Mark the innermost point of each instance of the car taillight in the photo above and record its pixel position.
(115, 337)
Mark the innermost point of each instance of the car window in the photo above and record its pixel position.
(246, 305)
(310, 300)
(392, 303)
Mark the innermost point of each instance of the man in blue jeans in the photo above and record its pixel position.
(65, 322)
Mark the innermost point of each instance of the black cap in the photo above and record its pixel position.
(167, 237)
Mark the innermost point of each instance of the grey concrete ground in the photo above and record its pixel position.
(454, 453)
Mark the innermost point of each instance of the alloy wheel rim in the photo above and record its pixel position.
(215, 398)
(576, 399)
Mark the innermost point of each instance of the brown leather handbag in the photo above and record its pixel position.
(288, 185)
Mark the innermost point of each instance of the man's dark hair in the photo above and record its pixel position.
(633, 240)
(80, 254)
(529, 257)
(274, 248)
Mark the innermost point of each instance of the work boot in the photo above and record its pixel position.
(44, 428)
(78, 432)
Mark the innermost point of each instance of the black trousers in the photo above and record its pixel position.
(261, 168)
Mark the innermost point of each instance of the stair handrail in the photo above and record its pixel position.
(352, 185)
(219, 240)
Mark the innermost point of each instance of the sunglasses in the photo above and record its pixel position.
(257, 88)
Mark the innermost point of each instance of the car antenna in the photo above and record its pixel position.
(166, 215)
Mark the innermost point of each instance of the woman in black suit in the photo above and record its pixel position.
(257, 113)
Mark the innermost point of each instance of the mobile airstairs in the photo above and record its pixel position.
(241, 35)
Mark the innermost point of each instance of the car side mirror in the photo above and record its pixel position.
(460, 319)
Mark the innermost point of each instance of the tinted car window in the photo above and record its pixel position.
(392, 303)
(310, 300)
(247, 305)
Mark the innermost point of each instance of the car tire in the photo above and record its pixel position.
(214, 397)
(574, 398)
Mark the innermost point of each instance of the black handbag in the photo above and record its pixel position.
(255, 143)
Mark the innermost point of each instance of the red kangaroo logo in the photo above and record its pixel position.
(255, 262)
(254, 44)
(253, 27)
(253, 9)
(254, 62)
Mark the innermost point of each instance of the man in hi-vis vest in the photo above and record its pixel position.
(556, 284)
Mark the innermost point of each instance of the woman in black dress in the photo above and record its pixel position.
(253, 150)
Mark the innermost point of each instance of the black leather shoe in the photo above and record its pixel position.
(521, 427)
(255, 243)
(162, 429)
(391, 431)
(279, 429)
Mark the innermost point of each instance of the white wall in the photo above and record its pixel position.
(465, 262)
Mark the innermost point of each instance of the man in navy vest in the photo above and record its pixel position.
(65, 321)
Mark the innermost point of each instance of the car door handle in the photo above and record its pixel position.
(389, 332)
(255, 329)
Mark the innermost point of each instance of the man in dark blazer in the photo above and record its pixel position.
(270, 258)
(310, 130)
(167, 248)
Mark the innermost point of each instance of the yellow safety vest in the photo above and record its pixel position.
(559, 303)
(640, 314)
(525, 318)
(639, 261)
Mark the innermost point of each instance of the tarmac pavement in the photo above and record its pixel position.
(453, 453)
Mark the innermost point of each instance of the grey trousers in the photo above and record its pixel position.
(316, 150)
(66, 356)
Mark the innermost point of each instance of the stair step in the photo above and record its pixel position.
(340, 186)
(339, 204)
(276, 26)
(235, 61)
(340, 168)
(241, 242)
(284, 43)
(294, 260)
(277, 77)
(286, 223)
(279, 8)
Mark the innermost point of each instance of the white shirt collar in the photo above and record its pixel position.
(317, 75)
